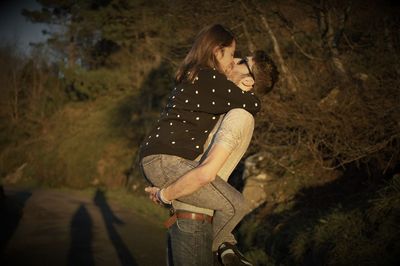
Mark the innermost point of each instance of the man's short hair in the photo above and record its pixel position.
(265, 72)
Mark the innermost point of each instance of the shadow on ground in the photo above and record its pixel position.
(124, 255)
(11, 207)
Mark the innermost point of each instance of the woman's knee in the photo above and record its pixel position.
(238, 210)
(242, 207)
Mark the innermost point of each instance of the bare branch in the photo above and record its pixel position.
(249, 41)
(277, 50)
(292, 28)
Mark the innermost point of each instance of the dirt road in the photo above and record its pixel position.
(53, 227)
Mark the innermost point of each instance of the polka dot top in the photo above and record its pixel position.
(192, 111)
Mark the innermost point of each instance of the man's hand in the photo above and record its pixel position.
(152, 194)
(155, 194)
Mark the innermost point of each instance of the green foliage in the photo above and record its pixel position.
(259, 257)
(89, 84)
(30, 94)
(388, 201)
(345, 234)
(81, 145)
(248, 231)
(87, 141)
(12, 156)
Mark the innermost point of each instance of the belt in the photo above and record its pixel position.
(187, 215)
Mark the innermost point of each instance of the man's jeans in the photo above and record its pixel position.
(191, 239)
(189, 243)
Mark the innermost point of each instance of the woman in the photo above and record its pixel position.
(173, 148)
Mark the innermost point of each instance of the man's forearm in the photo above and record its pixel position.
(199, 176)
(186, 185)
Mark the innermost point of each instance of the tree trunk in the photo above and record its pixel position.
(15, 101)
(285, 70)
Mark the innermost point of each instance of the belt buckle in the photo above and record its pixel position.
(193, 216)
(171, 211)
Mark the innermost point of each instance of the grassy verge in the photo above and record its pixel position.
(136, 202)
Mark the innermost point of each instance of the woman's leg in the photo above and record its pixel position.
(218, 195)
(234, 132)
(241, 123)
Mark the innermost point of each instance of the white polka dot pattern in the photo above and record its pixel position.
(190, 115)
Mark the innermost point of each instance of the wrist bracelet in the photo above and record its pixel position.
(161, 199)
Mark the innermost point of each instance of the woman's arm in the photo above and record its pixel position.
(226, 94)
(213, 93)
(193, 180)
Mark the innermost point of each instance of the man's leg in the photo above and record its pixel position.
(189, 243)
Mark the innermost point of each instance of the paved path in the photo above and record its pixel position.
(52, 227)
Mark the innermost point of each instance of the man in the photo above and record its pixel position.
(190, 232)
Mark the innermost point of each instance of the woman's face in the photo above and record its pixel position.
(225, 58)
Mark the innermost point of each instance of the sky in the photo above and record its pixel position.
(14, 28)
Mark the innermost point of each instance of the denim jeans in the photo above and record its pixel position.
(190, 243)
(234, 132)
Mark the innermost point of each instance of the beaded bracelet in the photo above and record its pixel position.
(161, 199)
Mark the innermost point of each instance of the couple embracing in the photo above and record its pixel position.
(198, 140)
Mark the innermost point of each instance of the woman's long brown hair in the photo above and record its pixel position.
(201, 54)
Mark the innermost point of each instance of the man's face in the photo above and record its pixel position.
(240, 74)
